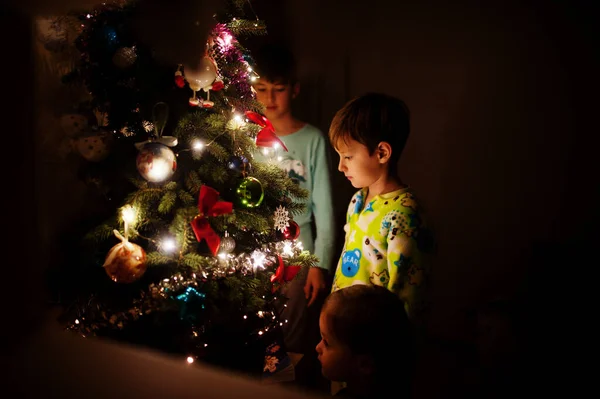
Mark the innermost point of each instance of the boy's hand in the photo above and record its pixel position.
(315, 284)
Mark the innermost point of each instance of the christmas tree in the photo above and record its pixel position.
(199, 236)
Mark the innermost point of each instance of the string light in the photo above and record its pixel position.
(168, 244)
(287, 249)
(236, 122)
(128, 214)
(258, 259)
(190, 359)
(198, 145)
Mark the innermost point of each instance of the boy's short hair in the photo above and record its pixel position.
(371, 119)
(371, 320)
(276, 63)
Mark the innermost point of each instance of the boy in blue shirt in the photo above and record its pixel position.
(306, 161)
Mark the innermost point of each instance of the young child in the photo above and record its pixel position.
(306, 161)
(384, 243)
(366, 341)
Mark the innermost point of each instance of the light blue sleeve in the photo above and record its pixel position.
(322, 203)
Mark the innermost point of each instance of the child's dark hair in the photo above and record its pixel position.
(371, 320)
(371, 119)
(276, 63)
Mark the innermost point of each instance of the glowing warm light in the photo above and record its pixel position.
(287, 249)
(253, 78)
(260, 333)
(279, 158)
(265, 151)
(76, 321)
(260, 313)
(249, 68)
(190, 360)
(128, 214)
(258, 258)
(197, 145)
(245, 317)
(227, 38)
(276, 146)
(160, 170)
(205, 345)
(169, 245)
(88, 16)
(222, 255)
(236, 122)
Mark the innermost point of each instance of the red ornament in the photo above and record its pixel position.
(208, 205)
(266, 137)
(283, 274)
(179, 81)
(218, 85)
(291, 232)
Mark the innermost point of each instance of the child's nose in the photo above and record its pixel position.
(318, 348)
(341, 166)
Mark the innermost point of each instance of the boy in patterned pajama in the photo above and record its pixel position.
(384, 240)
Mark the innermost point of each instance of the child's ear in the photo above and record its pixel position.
(384, 152)
(295, 89)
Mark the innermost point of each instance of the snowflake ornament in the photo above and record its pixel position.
(282, 220)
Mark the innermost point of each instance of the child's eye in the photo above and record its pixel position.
(347, 157)
(261, 89)
(280, 89)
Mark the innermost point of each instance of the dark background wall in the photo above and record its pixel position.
(501, 96)
(502, 153)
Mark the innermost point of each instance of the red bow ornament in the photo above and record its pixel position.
(209, 205)
(266, 137)
(283, 274)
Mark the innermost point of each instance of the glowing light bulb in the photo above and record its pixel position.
(236, 122)
(253, 78)
(168, 245)
(258, 259)
(197, 145)
(160, 170)
(260, 333)
(287, 249)
(190, 359)
(128, 214)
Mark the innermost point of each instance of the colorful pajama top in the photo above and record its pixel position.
(382, 246)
